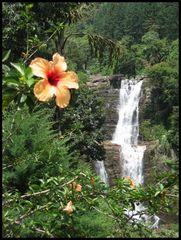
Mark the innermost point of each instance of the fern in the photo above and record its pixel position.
(31, 148)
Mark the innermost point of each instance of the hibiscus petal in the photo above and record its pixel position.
(59, 62)
(62, 97)
(68, 209)
(40, 67)
(43, 90)
(69, 79)
(78, 188)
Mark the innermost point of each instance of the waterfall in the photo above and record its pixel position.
(101, 171)
(126, 134)
(127, 130)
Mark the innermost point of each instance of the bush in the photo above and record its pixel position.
(37, 187)
(83, 121)
(151, 131)
(30, 147)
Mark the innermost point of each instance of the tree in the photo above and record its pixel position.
(32, 24)
(114, 20)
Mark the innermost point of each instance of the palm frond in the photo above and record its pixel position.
(100, 45)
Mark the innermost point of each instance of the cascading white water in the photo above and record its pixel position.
(101, 171)
(126, 135)
(127, 130)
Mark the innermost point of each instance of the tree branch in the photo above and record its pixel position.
(35, 194)
(43, 231)
(29, 212)
(79, 34)
(112, 210)
(106, 214)
(44, 191)
(40, 46)
(48, 190)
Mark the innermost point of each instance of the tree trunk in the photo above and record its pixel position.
(59, 42)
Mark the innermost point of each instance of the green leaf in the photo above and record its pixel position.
(169, 162)
(29, 203)
(42, 181)
(44, 45)
(56, 182)
(19, 67)
(28, 73)
(11, 79)
(6, 56)
(29, 6)
(34, 187)
(12, 85)
(156, 194)
(161, 187)
(5, 68)
(23, 98)
(30, 81)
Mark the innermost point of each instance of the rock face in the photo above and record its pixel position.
(149, 161)
(112, 161)
(108, 88)
(145, 99)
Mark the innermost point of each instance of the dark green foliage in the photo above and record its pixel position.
(173, 133)
(126, 61)
(165, 95)
(27, 26)
(142, 31)
(83, 121)
(17, 22)
(115, 20)
(95, 225)
(151, 132)
(77, 52)
(63, 12)
(31, 148)
(100, 45)
(25, 132)
(37, 187)
(166, 231)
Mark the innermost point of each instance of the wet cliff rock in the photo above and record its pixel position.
(145, 99)
(112, 161)
(108, 88)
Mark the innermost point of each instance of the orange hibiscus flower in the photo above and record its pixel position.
(55, 80)
(68, 209)
(131, 182)
(77, 187)
(73, 185)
